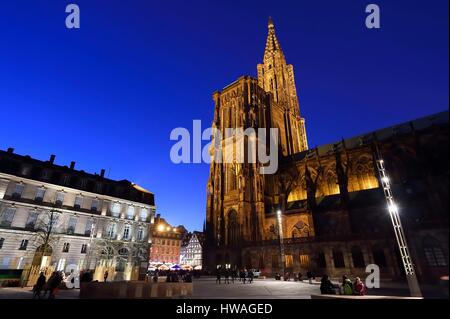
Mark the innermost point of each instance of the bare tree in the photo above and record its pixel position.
(46, 233)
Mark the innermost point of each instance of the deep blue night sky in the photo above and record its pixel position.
(108, 95)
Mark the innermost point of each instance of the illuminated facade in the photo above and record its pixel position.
(192, 250)
(166, 242)
(333, 213)
(95, 221)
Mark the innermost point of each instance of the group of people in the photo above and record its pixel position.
(242, 275)
(347, 287)
(49, 286)
(173, 276)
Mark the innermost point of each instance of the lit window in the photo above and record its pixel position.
(130, 212)
(144, 214)
(115, 209)
(61, 264)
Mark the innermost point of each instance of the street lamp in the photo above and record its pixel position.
(280, 235)
(408, 265)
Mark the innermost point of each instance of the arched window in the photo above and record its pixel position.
(338, 258)
(379, 257)
(233, 228)
(357, 257)
(434, 254)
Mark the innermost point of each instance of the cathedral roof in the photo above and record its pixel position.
(438, 119)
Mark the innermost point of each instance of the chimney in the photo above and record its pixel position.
(102, 173)
(52, 159)
(10, 150)
(72, 165)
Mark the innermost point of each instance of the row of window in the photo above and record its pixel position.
(111, 232)
(78, 202)
(167, 242)
(32, 221)
(24, 244)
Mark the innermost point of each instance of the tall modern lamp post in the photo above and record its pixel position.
(408, 265)
(280, 235)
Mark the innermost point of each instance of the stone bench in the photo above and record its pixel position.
(134, 290)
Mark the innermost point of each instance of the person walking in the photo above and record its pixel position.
(105, 276)
(54, 285)
(250, 276)
(39, 286)
(218, 276)
(233, 275)
(227, 276)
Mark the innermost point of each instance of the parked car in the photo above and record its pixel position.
(256, 273)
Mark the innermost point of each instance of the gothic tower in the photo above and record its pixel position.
(277, 77)
(236, 191)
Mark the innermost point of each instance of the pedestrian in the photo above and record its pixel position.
(54, 285)
(233, 275)
(218, 276)
(227, 276)
(105, 275)
(327, 287)
(300, 275)
(250, 276)
(310, 277)
(39, 286)
(347, 286)
(359, 288)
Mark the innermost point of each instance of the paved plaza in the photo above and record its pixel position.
(207, 288)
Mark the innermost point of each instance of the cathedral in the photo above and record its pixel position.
(324, 209)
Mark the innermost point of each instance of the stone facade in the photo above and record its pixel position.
(94, 221)
(334, 218)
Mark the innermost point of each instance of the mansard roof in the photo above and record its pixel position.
(48, 172)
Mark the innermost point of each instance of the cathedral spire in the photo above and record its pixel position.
(272, 43)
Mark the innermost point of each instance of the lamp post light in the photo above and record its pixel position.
(280, 235)
(408, 265)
